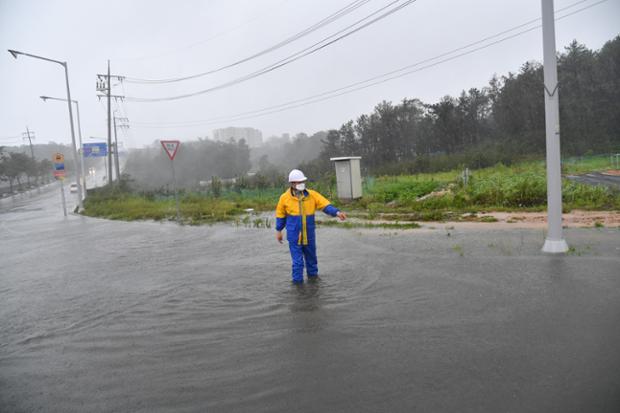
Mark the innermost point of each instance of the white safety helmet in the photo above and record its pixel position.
(296, 176)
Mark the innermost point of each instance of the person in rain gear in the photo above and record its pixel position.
(295, 212)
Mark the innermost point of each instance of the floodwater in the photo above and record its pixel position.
(106, 316)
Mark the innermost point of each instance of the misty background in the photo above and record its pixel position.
(470, 93)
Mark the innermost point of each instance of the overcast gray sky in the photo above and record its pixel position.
(164, 39)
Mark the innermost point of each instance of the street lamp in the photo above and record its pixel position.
(16, 53)
(77, 107)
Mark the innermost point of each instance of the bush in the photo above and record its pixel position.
(403, 188)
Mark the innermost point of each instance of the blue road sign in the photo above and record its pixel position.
(93, 150)
(59, 166)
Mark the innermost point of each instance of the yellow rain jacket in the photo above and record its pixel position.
(296, 214)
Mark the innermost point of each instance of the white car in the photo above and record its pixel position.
(73, 187)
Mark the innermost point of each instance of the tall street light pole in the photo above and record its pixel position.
(77, 110)
(78, 166)
(555, 242)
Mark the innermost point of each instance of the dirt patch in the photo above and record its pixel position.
(573, 219)
(500, 220)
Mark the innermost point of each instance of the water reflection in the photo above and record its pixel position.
(306, 296)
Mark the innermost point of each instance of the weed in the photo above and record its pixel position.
(458, 248)
(246, 220)
(351, 225)
(421, 197)
(578, 251)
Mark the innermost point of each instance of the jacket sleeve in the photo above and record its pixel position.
(280, 215)
(323, 204)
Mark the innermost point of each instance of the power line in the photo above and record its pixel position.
(10, 137)
(207, 40)
(373, 80)
(124, 127)
(316, 26)
(305, 52)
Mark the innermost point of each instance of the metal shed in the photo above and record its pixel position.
(348, 177)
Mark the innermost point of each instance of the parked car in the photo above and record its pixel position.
(73, 187)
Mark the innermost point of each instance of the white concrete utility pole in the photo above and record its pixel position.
(109, 95)
(104, 84)
(121, 125)
(118, 167)
(555, 242)
(30, 136)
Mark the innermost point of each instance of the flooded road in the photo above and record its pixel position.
(104, 316)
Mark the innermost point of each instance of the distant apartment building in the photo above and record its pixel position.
(253, 137)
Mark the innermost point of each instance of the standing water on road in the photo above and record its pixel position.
(106, 316)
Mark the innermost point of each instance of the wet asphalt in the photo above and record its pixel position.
(107, 316)
(596, 178)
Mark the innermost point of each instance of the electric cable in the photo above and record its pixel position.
(309, 50)
(316, 26)
(362, 84)
(204, 41)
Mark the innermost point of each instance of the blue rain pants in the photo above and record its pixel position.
(301, 253)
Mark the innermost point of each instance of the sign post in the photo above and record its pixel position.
(59, 173)
(171, 148)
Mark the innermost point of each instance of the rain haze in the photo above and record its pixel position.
(163, 40)
(312, 206)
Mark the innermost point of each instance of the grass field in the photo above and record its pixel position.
(422, 197)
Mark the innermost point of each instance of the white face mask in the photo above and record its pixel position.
(300, 187)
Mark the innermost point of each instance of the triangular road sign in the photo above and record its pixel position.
(171, 148)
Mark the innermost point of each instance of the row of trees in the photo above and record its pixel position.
(15, 167)
(503, 120)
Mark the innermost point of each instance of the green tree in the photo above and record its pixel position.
(518, 109)
(15, 167)
(348, 141)
(578, 92)
(331, 145)
(446, 125)
(607, 75)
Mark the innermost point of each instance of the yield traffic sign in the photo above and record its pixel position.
(171, 148)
